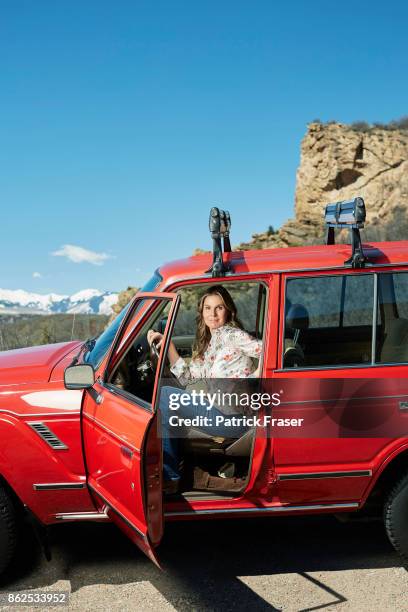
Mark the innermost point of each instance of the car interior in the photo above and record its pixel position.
(210, 465)
(213, 463)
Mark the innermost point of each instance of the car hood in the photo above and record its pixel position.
(33, 364)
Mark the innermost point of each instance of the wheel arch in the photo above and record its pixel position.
(17, 502)
(390, 472)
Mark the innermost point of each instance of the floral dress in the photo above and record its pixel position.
(228, 355)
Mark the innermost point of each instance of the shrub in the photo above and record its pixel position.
(360, 126)
(396, 124)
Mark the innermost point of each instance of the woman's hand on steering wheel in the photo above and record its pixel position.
(154, 337)
(155, 340)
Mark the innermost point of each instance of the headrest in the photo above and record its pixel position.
(297, 317)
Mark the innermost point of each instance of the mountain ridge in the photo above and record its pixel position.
(86, 301)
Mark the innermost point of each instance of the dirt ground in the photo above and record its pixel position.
(291, 564)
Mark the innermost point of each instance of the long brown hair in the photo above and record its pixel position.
(203, 334)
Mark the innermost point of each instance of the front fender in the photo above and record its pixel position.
(26, 460)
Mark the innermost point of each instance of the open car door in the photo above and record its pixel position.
(121, 432)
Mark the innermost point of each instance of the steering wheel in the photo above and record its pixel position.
(154, 355)
(167, 373)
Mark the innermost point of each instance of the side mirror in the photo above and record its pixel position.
(79, 376)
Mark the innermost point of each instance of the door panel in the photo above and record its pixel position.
(337, 331)
(113, 433)
(121, 443)
(333, 462)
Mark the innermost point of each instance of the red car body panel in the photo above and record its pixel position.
(25, 459)
(33, 364)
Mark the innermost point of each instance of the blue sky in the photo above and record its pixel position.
(122, 123)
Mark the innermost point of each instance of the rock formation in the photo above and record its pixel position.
(340, 162)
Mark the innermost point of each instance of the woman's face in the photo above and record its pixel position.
(214, 312)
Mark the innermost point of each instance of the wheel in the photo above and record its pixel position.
(396, 518)
(8, 529)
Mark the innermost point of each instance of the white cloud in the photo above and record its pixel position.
(37, 275)
(78, 254)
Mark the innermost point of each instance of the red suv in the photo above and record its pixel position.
(79, 427)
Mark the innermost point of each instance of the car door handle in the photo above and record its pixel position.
(403, 406)
(126, 451)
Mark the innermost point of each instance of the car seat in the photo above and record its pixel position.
(395, 346)
(297, 319)
(203, 443)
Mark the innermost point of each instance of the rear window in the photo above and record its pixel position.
(333, 301)
(328, 320)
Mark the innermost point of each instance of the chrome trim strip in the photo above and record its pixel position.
(109, 431)
(343, 399)
(83, 516)
(311, 475)
(23, 415)
(351, 505)
(119, 514)
(53, 486)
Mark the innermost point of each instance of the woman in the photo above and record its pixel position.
(222, 349)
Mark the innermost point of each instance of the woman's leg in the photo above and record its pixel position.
(188, 408)
(171, 443)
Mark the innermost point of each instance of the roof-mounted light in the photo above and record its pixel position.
(349, 214)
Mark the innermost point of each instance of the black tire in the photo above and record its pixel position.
(396, 518)
(8, 529)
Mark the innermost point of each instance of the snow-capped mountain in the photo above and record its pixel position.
(88, 301)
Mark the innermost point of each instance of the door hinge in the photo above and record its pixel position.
(97, 397)
(272, 477)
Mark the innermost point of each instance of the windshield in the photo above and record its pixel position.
(104, 341)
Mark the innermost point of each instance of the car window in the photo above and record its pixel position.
(321, 297)
(393, 305)
(328, 320)
(358, 300)
(105, 340)
(135, 372)
(246, 297)
(400, 281)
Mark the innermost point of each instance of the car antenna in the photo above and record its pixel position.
(349, 214)
(219, 225)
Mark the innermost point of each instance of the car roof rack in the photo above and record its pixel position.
(220, 224)
(349, 214)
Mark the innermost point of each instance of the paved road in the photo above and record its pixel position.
(291, 564)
